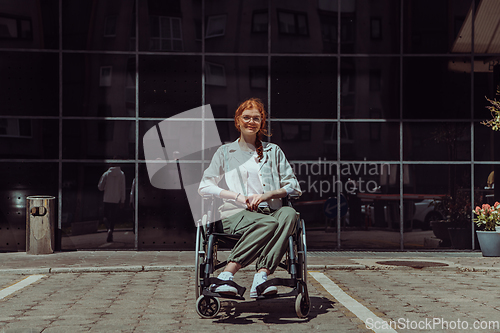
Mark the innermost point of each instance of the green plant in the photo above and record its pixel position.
(456, 209)
(494, 108)
(487, 217)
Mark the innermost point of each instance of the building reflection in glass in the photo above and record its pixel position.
(361, 85)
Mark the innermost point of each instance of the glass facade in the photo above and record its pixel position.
(377, 105)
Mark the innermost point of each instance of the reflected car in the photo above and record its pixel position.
(425, 213)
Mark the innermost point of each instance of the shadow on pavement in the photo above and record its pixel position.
(271, 311)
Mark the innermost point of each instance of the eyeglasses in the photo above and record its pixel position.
(247, 119)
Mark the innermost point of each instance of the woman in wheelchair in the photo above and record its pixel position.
(257, 176)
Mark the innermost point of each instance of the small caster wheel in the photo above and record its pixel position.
(207, 306)
(302, 305)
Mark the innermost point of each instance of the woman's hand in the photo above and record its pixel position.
(254, 200)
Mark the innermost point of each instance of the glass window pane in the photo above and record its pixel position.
(93, 83)
(437, 141)
(260, 22)
(433, 89)
(372, 141)
(236, 26)
(436, 30)
(169, 20)
(88, 214)
(165, 28)
(304, 87)
(176, 28)
(165, 219)
(29, 25)
(485, 29)
(370, 88)
(228, 82)
(29, 138)
(286, 23)
(97, 139)
(30, 84)
(439, 199)
(86, 25)
(485, 141)
(22, 180)
(169, 85)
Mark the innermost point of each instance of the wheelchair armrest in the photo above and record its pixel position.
(289, 199)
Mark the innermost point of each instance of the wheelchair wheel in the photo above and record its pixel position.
(302, 305)
(302, 251)
(207, 306)
(200, 257)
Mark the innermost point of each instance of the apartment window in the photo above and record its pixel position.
(14, 27)
(15, 128)
(260, 21)
(165, 33)
(329, 30)
(110, 26)
(216, 26)
(215, 74)
(292, 23)
(105, 76)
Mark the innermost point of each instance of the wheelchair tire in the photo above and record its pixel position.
(302, 305)
(200, 257)
(207, 306)
(302, 251)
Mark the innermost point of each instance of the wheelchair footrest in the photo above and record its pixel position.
(276, 282)
(214, 282)
(293, 292)
(219, 295)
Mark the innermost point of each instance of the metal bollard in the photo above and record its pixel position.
(40, 224)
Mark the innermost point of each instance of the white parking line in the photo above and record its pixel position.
(351, 304)
(20, 285)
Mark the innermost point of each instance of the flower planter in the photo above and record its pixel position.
(489, 241)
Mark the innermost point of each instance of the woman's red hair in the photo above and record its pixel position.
(254, 103)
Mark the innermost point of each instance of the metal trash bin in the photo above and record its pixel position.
(40, 224)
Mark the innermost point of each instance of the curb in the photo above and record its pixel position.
(186, 268)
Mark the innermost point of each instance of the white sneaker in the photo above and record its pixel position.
(258, 279)
(225, 288)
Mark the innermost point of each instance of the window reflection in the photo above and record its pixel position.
(86, 217)
(29, 138)
(98, 139)
(101, 85)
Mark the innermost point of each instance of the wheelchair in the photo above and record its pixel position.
(210, 237)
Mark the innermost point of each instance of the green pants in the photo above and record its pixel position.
(264, 236)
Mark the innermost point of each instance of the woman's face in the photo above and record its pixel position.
(250, 122)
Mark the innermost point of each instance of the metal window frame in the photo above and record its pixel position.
(338, 120)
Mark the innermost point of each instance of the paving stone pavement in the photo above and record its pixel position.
(153, 291)
(153, 302)
(415, 295)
